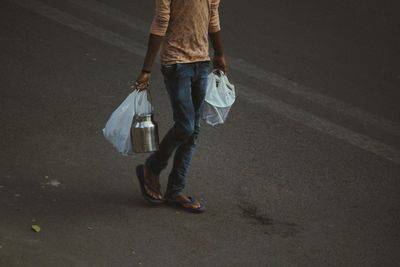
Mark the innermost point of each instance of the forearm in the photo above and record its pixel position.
(216, 42)
(153, 46)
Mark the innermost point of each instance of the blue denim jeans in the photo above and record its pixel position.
(186, 84)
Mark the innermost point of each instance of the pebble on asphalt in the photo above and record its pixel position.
(54, 182)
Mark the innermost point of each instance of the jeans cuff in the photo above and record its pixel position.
(172, 194)
(150, 168)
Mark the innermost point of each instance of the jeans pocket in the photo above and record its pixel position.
(168, 69)
(204, 69)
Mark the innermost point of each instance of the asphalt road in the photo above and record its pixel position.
(305, 172)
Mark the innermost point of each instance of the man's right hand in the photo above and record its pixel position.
(143, 81)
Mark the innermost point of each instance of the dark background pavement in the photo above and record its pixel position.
(279, 191)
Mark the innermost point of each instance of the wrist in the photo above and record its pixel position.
(146, 71)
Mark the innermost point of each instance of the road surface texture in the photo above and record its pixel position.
(305, 172)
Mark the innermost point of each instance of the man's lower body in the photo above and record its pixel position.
(186, 84)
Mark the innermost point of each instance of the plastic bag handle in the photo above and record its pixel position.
(140, 99)
(149, 98)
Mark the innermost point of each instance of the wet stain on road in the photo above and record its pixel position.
(272, 226)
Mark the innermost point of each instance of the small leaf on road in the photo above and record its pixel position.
(36, 228)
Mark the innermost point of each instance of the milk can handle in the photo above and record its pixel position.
(150, 99)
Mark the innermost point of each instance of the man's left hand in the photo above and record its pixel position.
(220, 63)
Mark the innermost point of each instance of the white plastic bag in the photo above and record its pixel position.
(220, 97)
(118, 128)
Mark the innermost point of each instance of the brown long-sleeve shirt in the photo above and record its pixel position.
(185, 25)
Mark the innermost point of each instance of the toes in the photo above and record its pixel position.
(153, 194)
(196, 205)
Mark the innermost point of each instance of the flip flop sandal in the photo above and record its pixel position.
(181, 204)
(143, 184)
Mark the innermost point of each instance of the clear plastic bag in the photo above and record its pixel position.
(118, 128)
(219, 98)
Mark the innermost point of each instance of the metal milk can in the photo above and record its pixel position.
(144, 134)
